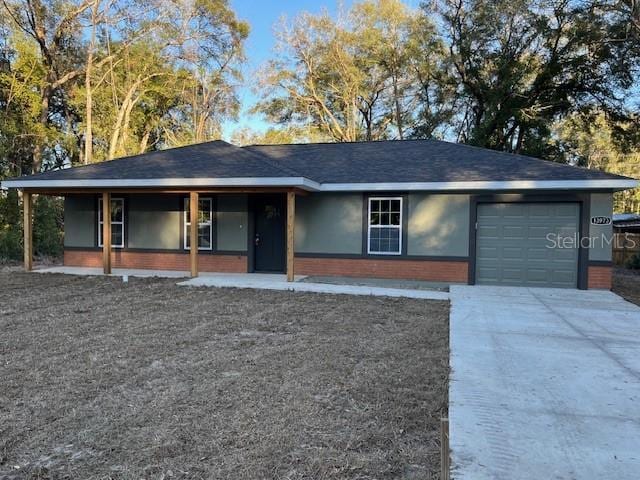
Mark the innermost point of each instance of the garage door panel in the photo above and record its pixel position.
(536, 253)
(489, 231)
(512, 274)
(489, 250)
(513, 210)
(491, 274)
(567, 254)
(513, 244)
(516, 232)
(514, 253)
(567, 210)
(538, 210)
(565, 230)
(560, 276)
(537, 274)
(538, 231)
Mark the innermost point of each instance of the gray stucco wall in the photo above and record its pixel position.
(154, 221)
(601, 205)
(438, 225)
(329, 223)
(232, 225)
(80, 221)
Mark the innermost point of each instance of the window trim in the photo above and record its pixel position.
(399, 227)
(186, 223)
(123, 222)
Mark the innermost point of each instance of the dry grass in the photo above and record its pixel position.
(102, 379)
(626, 283)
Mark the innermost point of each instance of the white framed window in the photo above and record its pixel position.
(385, 226)
(205, 224)
(117, 222)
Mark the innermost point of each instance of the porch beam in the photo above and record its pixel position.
(106, 232)
(193, 232)
(291, 220)
(27, 200)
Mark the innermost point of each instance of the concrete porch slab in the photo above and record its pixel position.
(115, 272)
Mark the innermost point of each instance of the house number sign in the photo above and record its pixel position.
(600, 220)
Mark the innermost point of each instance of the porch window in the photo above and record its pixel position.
(117, 222)
(205, 224)
(385, 226)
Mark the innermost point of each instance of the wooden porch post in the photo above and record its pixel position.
(193, 232)
(291, 220)
(28, 230)
(106, 232)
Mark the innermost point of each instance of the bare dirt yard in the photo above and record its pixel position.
(626, 283)
(146, 380)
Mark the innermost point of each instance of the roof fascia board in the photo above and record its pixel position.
(310, 185)
(482, 185)
(299, 182)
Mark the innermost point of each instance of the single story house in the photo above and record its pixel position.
(419, 209)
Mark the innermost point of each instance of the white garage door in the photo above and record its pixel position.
(513, 246)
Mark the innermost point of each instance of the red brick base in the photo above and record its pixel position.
(429, 270)
(157, 261)
(599, 278)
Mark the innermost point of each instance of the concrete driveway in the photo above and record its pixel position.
(545, 384)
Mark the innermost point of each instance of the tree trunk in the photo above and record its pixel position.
(144, 143)
(44, 120)
(122, 111)
(88, 134)
(124, 136)
(398, 109)
(520, 140)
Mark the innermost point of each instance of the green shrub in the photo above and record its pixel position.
(634, 262)
(10, 227)
(10, 244)
(47, 226)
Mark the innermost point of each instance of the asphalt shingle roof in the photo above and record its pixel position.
(216, 159)
(359, 162)
(416, 161)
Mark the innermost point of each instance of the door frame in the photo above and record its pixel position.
(254, 201)
(582, 199)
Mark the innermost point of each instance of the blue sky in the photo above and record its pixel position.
(262, 16)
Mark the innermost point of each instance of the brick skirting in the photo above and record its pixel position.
(157, 261)
(429, 270)
(599, 277)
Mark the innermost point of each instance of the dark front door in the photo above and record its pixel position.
(270, 213)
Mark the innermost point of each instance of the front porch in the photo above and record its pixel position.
(150, 229)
